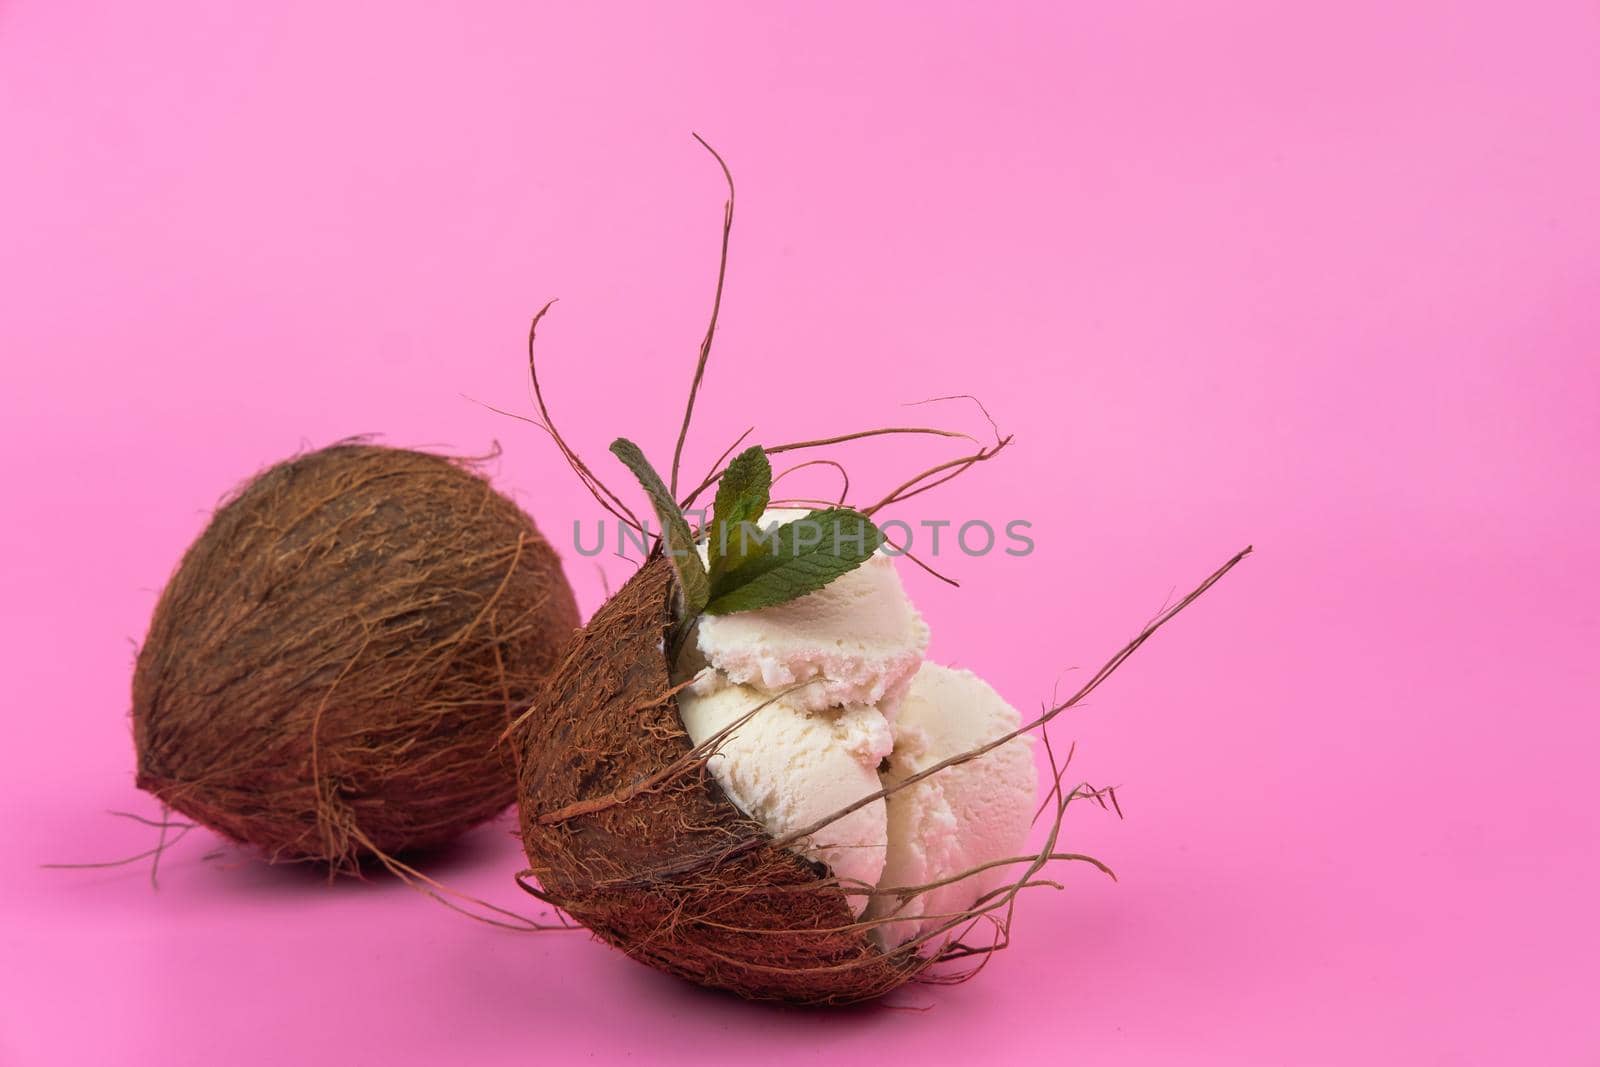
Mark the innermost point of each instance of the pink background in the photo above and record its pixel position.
(1323, 281)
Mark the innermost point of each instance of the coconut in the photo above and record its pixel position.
(328, 671)
(626, 832)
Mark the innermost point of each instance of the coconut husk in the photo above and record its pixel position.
(627, 833)
(328, 671)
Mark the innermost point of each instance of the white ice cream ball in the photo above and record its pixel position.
(957, 818)
(786, 767)
(857, 640)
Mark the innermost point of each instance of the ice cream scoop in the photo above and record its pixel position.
(857, 640)
(786, 767)
(843, 705)
(959, 818)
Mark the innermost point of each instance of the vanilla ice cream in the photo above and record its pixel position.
(857, 640)
(851, 709)
(960, 817)
(787, 767)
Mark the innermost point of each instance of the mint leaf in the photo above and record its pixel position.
(742, 495)
(675, 533)
(802, 557)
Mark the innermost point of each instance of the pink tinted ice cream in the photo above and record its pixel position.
(787, 768)
(847, 707)
(857, 640)
(962, 817)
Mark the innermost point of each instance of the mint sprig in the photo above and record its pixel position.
(742, 495)
(678, 541)
(751, 569)
(801, 557)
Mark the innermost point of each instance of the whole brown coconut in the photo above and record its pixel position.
(659, 862)
(328, 671)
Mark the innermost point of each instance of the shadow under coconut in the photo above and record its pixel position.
(480, 855)
(837, 1017)
(532, 982)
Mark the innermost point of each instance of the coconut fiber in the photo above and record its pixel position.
(328, 671)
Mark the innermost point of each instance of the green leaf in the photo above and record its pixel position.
(675, 533)
(802, 557)
(742, 495)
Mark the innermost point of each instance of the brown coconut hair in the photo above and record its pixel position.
(328, 670)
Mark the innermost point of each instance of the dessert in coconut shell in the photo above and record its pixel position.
(625, 825)
(626, 834)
